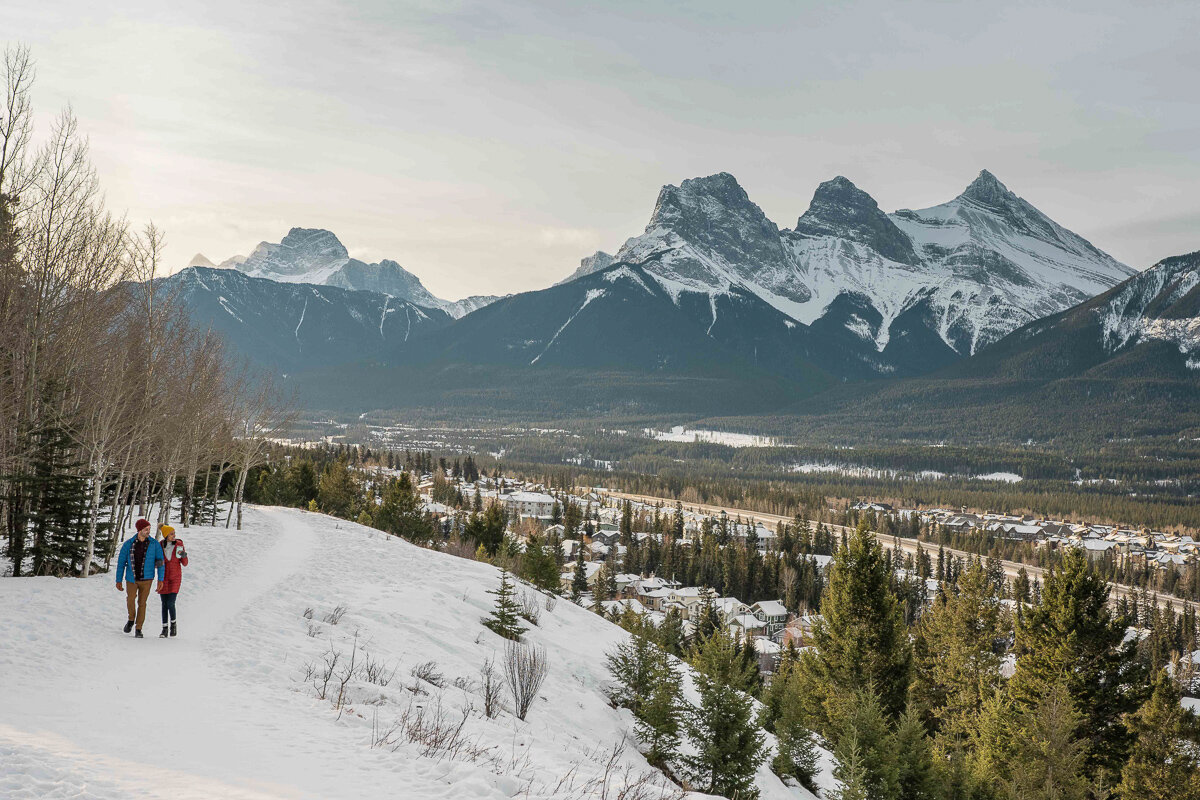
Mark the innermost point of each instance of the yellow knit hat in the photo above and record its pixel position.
(165, 530)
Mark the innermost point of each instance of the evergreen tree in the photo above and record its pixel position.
(728, 746)
(658, 725)
(861, 639)
(338, 491)
(400, 512)
(1071, 635)
(721, 658)
(634, 665)
(915, 777)
(603, 584)
(302, 483)
(505, 617)
(579, 584)
(1048, 758)
(863, 742)
(538, 565)
(669, 634)
(957, 656)
(57, 510)
(708, 621)
(487, 529)
(1164, 761)
(853, 782)
(783, 715)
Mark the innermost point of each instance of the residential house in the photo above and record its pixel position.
(529, 504)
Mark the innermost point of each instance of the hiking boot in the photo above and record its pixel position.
(129, 626)
(138, 634)
(163, 635)
(172, 627)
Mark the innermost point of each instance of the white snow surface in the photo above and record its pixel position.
(1125, 317)
(681, 434)
(223, 711)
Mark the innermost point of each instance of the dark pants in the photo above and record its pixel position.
(168, 606)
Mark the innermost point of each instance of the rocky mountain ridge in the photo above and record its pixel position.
(316, 256)
(958, 276)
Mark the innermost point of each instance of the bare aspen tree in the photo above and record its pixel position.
(261, 416)
(104, 384)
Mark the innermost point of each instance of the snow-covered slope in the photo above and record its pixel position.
(1000, 263)
(1161, 304)
(230, 709)
(291, 326)
(316, 256)
(886, 288)
(588, 264)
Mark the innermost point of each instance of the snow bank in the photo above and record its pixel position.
(229, 708)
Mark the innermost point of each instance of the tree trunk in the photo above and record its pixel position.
(240, 489)
(216, 495)
(185, 500)
(144, 496)
(168, 489)
(97, 483)
(121, 506)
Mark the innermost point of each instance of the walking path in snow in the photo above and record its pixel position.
(229, 709)
(152, 717)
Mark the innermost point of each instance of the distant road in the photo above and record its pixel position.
(1011, 568)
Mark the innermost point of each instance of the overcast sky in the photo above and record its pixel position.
(489, 146)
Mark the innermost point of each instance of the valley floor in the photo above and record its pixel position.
(225, 710)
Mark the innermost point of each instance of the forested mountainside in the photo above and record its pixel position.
(1123, 364)
(285, 327)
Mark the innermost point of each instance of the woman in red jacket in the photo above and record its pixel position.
(174, 560)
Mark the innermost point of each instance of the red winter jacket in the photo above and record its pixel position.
(175, 559)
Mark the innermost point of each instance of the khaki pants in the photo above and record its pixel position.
(140, 591)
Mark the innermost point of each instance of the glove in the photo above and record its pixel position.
(120, 588)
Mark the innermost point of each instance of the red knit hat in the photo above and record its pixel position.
(141, 523)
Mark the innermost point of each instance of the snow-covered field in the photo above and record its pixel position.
(681, 434)
(226, 711)
(882, 472)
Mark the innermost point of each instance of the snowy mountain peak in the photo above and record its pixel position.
(200, 260)
(587, 265)
(839, 208)
(697, 200)
(898, 287)
(988, 190)
(305, 255)
(317, 256)
(706, 235)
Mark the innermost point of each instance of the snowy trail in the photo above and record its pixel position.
(155, 718)
(229, 710)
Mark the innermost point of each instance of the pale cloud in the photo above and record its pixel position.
(487, 146)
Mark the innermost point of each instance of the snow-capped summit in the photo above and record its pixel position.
(707, 236)
(987, 189)
(317, 256)
(931, 285)
(839, 208)
(306, 255)
(200, 260)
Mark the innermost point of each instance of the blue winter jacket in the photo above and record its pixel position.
(154, 562)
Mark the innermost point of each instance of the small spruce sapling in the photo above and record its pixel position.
(505, 617)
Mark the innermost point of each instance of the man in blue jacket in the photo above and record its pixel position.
(141, 558)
